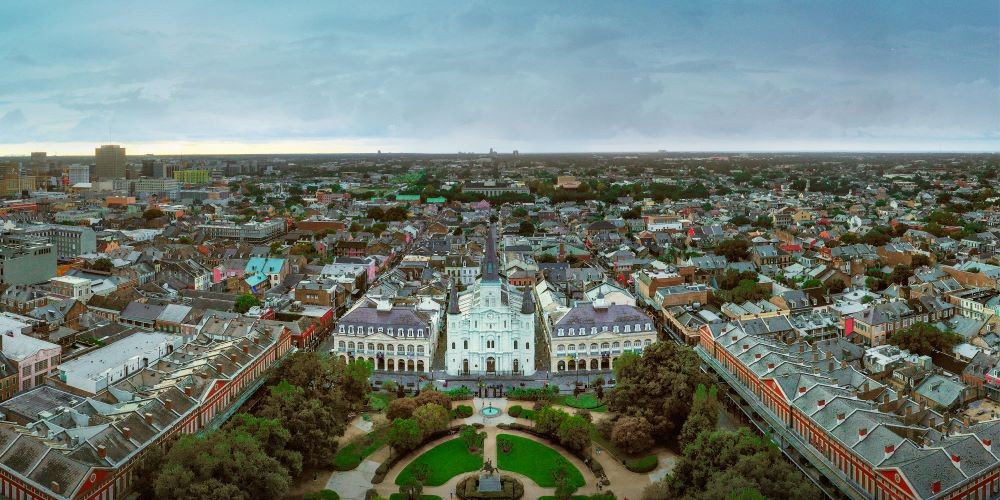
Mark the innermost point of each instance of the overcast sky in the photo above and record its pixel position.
(427, 76)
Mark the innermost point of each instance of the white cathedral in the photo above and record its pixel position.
(491, 325)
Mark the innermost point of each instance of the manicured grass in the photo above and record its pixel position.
(444, 462)
(350, 456)
(536, 461)
(400, 496)
(584, 401)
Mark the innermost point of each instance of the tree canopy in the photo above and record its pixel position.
(719, 464)
(660, 388)
(924, 338)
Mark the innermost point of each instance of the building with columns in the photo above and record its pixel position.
(491, 325)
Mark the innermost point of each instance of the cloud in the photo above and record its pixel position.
(526, 75)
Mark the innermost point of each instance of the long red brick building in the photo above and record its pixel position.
(869, 440)
(58, 444)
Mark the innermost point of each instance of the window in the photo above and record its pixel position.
(572, 331)
(341, 329)
(515, 344)
(409, 333)
(452, 345)
(560, 332)
(465, 344)
(615, 329)
(341, 346)
(628, 328)
(527, 345)
(350, 329)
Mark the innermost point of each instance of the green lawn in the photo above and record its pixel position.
(350, 456)
(535, 460)
(445, 461)
(584, 401)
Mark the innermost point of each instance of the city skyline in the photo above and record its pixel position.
(440, 78)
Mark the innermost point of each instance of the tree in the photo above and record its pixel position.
(703, 417)
(103, 264)
(245, 302)
(404, 434)
(221, 465)
(720, 463)
(471, 437)
(525, 228)
(632, 434)
(434, 396)
(734, 250)
(900, 274)
(660, 388)
(401, 408)
(548, 420)
(565, 487)
(315, 424)
(431, 418)
(152, 213)
(574, 433)
(924, 339)
(272, 436)
(627, 358)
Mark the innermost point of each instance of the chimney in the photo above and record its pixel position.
(821, 403)
(829, 366)
(843, 364)
(862, 432)
(232, 358)
(889, 449)
(149, 419)
(936, 487)
(815, 357)
(841, 417)
(187, 391)
(988, 444)
(734, 338)
(102, 451)
(802, 390)
(54, 486)
(168, 404)
(246, 348)
(127, 432)
(757, 356)
(218, 367)
(802, 348)
(956, 461)
(746, 347)
(770, 366)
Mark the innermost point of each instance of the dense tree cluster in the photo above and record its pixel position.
(721, 464)
(925, 338)
(660, 387)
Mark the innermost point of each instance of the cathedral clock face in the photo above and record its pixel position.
(492, 316)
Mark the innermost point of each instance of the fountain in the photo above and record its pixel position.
(490, 411)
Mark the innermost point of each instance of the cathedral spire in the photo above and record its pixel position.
(491, 261)
(453, 300)
(528, 301)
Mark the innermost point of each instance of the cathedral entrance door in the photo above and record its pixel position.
(491, 365)
(465, 366)
(516, 367)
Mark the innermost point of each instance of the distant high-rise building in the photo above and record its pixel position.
(39, 163)
(110, 162)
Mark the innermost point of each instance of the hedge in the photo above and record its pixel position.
(533, 393)
(642, 465)
(459, 393)
(463, 411)
(514, 411)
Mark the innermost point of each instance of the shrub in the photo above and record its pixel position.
(322, 495)
(459, 393)
(642, 465)
(605, 427)
(400, 408)
(515, 411)
(435, 397)
(463, 411)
